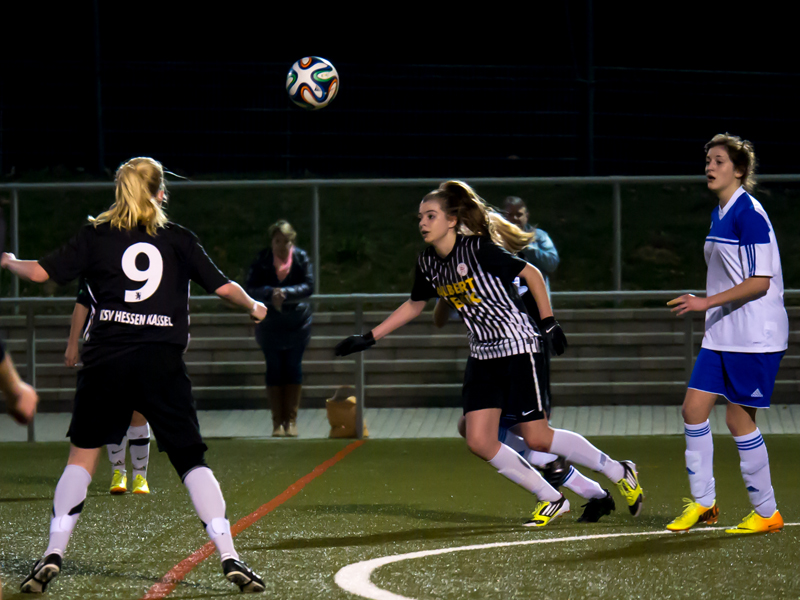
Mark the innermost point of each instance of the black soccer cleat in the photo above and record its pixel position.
(43, 572)
(597, 508)
(236, 571)
(556, 472)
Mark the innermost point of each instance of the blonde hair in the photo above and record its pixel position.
(742, 155)
(283, 227)
(138, 183)
(475, 217)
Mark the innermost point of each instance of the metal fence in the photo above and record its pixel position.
(316, 188)
(30, 306)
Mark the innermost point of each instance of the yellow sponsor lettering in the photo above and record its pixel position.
(470, 284)
(450, 290)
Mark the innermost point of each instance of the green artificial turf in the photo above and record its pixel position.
(392, 497)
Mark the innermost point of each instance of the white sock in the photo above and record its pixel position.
(116, 455)
(577, 449)
(539, 459)
(511, 465)
(583, 486)
(755, 471)
(139, 439)
(700, 462)
(67, 506)
(210, 506)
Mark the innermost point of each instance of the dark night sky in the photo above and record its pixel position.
(52, 41)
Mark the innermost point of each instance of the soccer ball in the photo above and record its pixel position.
(312, 82)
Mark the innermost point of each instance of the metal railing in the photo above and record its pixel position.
(315, 185)
(359, 300)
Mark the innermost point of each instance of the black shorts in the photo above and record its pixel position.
(151, 379)
(510, 383)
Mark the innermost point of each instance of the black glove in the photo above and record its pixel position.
(355, 343)
(554, 336)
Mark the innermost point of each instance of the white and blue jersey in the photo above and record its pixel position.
(742, 244)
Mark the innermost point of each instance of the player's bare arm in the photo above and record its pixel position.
(79, 314)
(21, 398)
(533, 277)
(233, 292)
(30, 270)
(750, 289)
(408, 311)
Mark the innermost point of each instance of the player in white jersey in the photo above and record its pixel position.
(466, 265)
(746, 336)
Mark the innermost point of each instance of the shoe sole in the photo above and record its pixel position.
(117, 491)
(37, 585)
(553, 518)
(246, 583)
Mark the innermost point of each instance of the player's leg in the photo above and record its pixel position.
(139, 447)
(119, 474)
(499, 386)
(68, 501)
(751, 381)
(577, 449)
(95, 423)
(708, 381)
(600, 502)
(166, 402)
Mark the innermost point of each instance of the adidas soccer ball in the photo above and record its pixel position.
(312, 82)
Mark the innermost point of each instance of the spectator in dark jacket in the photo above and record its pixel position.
(280, 275)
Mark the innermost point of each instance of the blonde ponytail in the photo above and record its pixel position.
(138, 183)
(475, 217)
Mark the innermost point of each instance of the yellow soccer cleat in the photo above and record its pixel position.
(547, 511)
(755, 523)
(630, 489)
(140, 485)
(119, 482)
(694, 513)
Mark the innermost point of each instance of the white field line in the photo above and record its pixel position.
(355, 578)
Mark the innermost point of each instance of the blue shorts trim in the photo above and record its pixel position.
(743, 378)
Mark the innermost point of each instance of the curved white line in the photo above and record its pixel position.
(355, 578)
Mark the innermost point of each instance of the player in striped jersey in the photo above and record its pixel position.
(138, 434)
(746, 336)
(467, 267)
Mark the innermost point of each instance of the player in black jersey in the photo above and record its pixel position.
(138, 265)
(138, 434)
(467, 267)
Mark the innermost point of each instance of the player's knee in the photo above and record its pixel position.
(186, 459)
(462, 426)
(486, 449)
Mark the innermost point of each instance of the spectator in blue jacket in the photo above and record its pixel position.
(541, 253)
(279, 274)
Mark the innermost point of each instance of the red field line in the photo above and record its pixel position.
(168, 582)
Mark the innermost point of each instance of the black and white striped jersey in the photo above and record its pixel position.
(477, 279)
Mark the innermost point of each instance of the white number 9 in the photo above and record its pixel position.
(152, 275)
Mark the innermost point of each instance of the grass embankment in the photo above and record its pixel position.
(369, 236)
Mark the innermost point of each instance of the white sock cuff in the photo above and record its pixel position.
(698, 430)
(137, 433)
(749, 441)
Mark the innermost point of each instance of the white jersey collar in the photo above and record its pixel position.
(724, 210)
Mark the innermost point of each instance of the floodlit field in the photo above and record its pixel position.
(387, 498)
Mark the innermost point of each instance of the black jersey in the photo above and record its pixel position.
(477, 279)
(139, 284)
(86, 298)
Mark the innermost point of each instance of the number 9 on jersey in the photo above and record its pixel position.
(151, 275)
